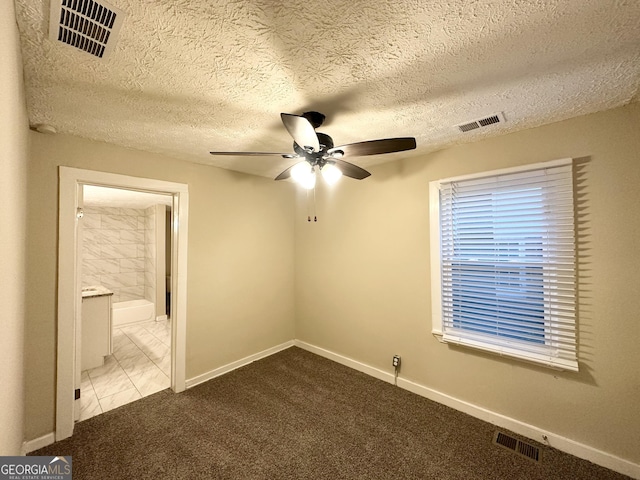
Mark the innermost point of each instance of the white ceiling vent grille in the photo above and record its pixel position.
(85, 24)
(483, 122)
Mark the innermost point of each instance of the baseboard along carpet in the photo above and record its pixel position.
(296, 415)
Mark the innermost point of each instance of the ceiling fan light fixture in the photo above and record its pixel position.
(309, 181)
(317, 150)
(331, 173)
(303, 174)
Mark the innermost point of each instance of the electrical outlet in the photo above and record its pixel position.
(396, 361)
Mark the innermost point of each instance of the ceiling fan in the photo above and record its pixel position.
(315, 149)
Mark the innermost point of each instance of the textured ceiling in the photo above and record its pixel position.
(190, 76)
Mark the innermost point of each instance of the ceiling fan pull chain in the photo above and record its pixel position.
(315, 218)
(308, 208)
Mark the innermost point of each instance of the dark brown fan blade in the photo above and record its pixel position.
(286, 174)
(301, 130)
(254, 154)
(375, 147)
(350, 170)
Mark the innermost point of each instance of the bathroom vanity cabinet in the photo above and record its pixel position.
(96, 328)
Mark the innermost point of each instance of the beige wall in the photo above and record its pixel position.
(363, 289)
(240, 260)
(13, 154)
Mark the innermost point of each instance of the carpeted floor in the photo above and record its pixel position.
(296, 415)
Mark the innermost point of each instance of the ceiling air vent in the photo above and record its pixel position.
(85, 24)
(483, 122)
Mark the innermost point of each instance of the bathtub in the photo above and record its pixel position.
(132, 312)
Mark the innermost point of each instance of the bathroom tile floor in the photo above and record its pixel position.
(140, 365)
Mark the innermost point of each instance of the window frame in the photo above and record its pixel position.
(538, 356)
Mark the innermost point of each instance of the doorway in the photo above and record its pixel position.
(124, 248)
(72, 182)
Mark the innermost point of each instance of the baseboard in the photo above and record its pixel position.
(336, 357)
(161, 318)
(37, 443)
(554, 440)
(216, 372)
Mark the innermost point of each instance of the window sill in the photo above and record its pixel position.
(541, 361)
(438, 336)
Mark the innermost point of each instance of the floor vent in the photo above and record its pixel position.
(88, 25)
(483, 122)
(523, 449)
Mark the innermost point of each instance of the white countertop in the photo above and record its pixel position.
(95, 291)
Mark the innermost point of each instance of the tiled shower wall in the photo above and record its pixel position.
(114, 251)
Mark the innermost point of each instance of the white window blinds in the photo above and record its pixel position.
(507, 263)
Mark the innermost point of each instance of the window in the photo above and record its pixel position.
(503, 262)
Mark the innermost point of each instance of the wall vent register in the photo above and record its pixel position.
(519, 447)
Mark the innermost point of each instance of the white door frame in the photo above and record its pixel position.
(69, 285)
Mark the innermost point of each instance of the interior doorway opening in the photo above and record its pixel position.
(124, 258)
(72, 184)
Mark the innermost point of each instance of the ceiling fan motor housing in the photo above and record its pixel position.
(315, 118)
(316, 158)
